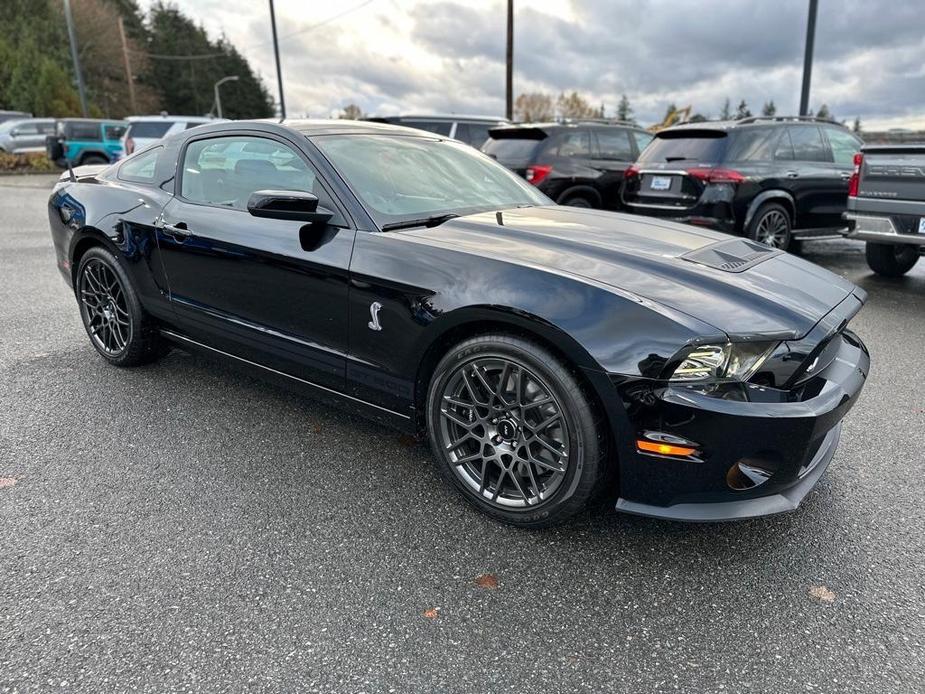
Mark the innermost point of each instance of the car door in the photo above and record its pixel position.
(613, 153)
(843, 146)
(805, 169)
(267, 290)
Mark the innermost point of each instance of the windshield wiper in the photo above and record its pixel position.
(432, 221)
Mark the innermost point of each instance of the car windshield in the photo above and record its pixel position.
(400, 178)
(149, 128)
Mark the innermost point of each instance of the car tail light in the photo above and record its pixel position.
(536, 174)
(855, 179)
(631, 172)
(129, 145)
(716, 175)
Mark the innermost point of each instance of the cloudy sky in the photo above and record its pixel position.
(392, 56)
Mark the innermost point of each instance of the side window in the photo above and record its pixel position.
(84, 131)
(114, 132)
(614, 143)
(808, 144)
(141, 168)
(642, 140)
(47, 128)
(226, 170)
(437, 127)
(844, 145)
(574, 143)
(462, 132)
(192, 125)
(478, 133)
(25, 129)
(784, 149)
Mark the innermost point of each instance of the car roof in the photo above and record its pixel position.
(337, 126)
(93, 120)
(752, 121)
(549, 127)
(440, 117)
(173, 119)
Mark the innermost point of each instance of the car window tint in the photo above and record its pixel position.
(226, 170)
(26, 129)
(192, 125)
(153, 129)
(642, 140)
(783, 150)
(83, 131)
(478, 133)
(114, 132)
(684, 145)
(47, 128)
(140, 168)
(752, 144)
(438, 127)
(574, 143)
(808, 144)
(844, 145)
(614, 143)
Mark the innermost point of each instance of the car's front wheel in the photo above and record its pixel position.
(112, 315)
(514, 431)
(771, 226)
(891, 259)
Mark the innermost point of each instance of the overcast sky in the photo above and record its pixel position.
(392, 56)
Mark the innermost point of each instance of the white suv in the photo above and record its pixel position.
(145, 130)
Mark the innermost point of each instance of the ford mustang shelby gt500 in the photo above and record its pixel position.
(549, 353)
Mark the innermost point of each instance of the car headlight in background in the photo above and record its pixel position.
(736, 361)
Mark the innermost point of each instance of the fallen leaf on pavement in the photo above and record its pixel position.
(7, 482)
(487, 581)
(432, 613)
(822, 594)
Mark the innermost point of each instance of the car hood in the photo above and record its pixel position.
(736, 286)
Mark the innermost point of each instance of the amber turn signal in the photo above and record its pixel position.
(664, 448)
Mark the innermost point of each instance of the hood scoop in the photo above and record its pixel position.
(732, 255)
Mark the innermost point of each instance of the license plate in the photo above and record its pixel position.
(660, 183)
(922, 225)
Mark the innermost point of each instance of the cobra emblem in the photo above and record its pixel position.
(374, 309)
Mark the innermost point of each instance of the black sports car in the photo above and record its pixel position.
(549, 353)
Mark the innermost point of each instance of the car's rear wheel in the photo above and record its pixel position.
(92, 159)
(118, 327)
(891, 259)
(771, 226)
(514, 431)
(576, 200)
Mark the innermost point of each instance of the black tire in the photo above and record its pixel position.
(92, 159)
(772, 226)
(118, 327)
(577, 200)
(559, 489)
(891, 259)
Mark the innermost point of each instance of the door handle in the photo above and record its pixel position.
(792, 174)
(177, 231)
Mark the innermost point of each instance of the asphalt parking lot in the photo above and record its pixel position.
(183, 527)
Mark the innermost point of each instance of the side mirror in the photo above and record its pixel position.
(295, 205)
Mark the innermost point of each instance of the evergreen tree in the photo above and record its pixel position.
(769, 109)
(824, 113)
(726, 112)
(857, 125)
(742, 111)
(624, 110)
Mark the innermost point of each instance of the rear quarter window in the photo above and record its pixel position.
(437, 127)
(140, 168)
(114, 132)
(753, 144)
(510, 148)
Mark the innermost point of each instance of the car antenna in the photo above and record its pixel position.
(499, 218)
(70, 171)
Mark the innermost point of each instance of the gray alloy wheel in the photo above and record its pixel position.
(577, 201)
(771, 226)
(112, 315)
(513, 431)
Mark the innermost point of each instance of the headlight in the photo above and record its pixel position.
(737, 361)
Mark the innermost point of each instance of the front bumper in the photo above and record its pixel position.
(790, 434)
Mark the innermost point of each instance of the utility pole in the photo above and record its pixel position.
(218, 98)
(128, 68)
(509, 86)
(808, 57)
(279, 72)
(72, 36)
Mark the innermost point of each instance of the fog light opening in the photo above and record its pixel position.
(749, 473)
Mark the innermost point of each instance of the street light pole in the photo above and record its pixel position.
(218, 98)
(72, 37)
(808, 57)
(509, 83)
(279, 72)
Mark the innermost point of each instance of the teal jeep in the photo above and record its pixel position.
(86, 141)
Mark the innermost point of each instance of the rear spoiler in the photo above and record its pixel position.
(894, 149)
(507, 132)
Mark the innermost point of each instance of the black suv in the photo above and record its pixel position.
(473, 130)
(579, 164)
(771, 179)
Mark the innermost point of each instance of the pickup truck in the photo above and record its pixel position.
(886, 206)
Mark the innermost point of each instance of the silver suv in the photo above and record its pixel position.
(26, 135)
